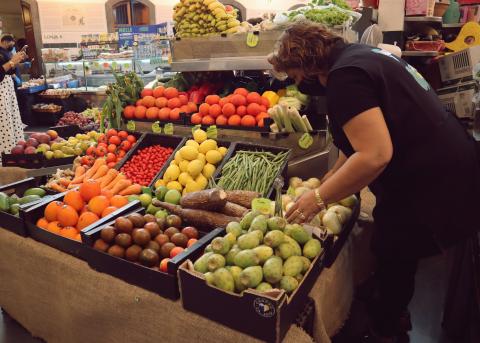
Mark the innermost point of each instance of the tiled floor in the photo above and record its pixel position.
(426, 309)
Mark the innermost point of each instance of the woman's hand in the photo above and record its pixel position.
(18, 57)
(304, 209)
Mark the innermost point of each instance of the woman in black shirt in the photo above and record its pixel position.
(395, 137)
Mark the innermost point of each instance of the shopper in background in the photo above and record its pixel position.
(11, 126)
(395, 137)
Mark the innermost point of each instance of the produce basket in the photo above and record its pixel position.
(154, 280)
(56, 109)
(17, 224)
(67, 130)
(69, 246)
(266, 316)
(32, 90)
(148, 139)
(28, 161)
(256, 147)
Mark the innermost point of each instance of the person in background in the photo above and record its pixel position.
(11, 126)
(395, 137)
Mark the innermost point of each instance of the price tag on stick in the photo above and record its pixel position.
(168, 129)
(131, 125)
(156, 128)
(305, 141)
(212, 132)
(252, 39)
(195, 128)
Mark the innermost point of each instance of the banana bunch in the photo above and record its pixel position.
(200, 18)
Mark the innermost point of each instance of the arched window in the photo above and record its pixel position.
(122, 13)
(241, 10)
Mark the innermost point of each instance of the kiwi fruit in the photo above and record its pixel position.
(149, 257)
(162, 223)
(174, 220)
(154, 246)
(101, 245)
(141, 237)
(171, 231)
(190, 232)
(136, 219)
(133, 252)
(161, 239)
(124, 240)
(108, 234)
(180, 240)
(153, 228)
(166, 248)
(124, 225)
(117, 251)
(149, 218)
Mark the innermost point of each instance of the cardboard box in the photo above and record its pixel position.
(458, 99)
(224, 46)
(419, 7)
(266, 316)
(459, 66)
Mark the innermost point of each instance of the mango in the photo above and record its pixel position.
(235, 228)
(263, 252)
(296, 247)
(288, 283)
(285, 250)
(231, 255)
(201, 264)
(246, 258)
(248, 241)
(293, 266)
(274, 238)
(248, 219)
(273, 269)
(236, 271)
(208, 248)
(224, 280)
(230, 237)
(215, 261)
(276, 223)
(306, 264)
(220, 245)
(209, 278)
(288, 229)
(263, 287)
(251, 277)
(312, 248)
(259, 223)
(258, 233)
(299, 234)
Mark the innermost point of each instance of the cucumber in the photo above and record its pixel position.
(4, 203)
(35, 191)
(28, 199)
(15, 209)
(14, 199)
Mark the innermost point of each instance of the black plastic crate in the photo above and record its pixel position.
(266, 128)
(69, 246)
(66, 131)
(181, 121)
(164, 284)
(257, 147)
(28, 161)
(147, 139)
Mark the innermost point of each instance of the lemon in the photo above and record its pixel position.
(202, 158)
(208, 170)
(173, 163)
(183, 165)
(200, 136)
(172, 173)
(188, 153)
(213, 156)
(192, 143)
(159, 183)
(178, 158)
(222, 150)
(184, 177)
(175, 185)
(208, 145)
(192, 186)
(201, 181)
(195, 167)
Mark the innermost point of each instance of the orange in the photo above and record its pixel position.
(241, 91)
(253, 109)
(208, 120)
(129, 111)
(139, 102)
(84, 209)
(148, 101)
(221, 120)
(215, 110)
(42, 223)
(152, 113)
(161, 102)
(260, 117)
(196, 118)
(265, 102)
(183, 99)
(222, 102)
(51, 210)
(69, 232)
(192, 107)
(234, 120)
(158, 91)
(78, 237)
(248, 120)
(74, 199)
(164, 114)
(108, 193)
(86, 219)
(184, 109)
(239, 100)
(54, 227)
(90, 189)
(212, 99)
(204, 109)
(146, 92)
(241, 110)
(98, 203)
(254, 97)
(67, 216)
(228, 109)
(174, 103)
(175, 114)
(170, 93)
(118, 201)
(108, 210)
(140, 112)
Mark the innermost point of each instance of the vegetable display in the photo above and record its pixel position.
(288, 119)
(73, 118)
(252, 171)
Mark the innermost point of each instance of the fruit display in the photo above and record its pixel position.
(56, 93)
(42, 107)
(163, 104)
(204, 18)
(242, 108)
(11, 204)
(252, 170)
(113, 146)
(337, 13)
(146, 163)
(73, 118)
(199, 85)
(259, 252)
(146, 240)
(32, 83)
(194, 164)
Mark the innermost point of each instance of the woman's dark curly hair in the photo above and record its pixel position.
(304, 45)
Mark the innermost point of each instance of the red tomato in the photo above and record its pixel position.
(114, 140)
(123, 134)
(100, 151)
(131, 139)
(112, 132)
(125, 145)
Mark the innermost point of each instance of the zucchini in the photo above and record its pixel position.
(4, 202)
(28, 199)
(35, 191)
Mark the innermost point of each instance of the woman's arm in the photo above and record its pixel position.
(7, 66)
(338, 163)
(369, 136)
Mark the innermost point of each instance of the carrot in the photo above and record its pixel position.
(132, 190)
(118, 178)
(101, 171)
(105, 180)
(79, 171)
(64, 182)
(56, 187)
(120, 186)
(99, 162)
(77, 180)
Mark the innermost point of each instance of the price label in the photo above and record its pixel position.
(212, 132)
(195, 128)
(168, 129)
(131, 125)
(262, 205)
(252, 39)
(156, 128)
(305, 141)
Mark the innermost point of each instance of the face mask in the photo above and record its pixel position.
(312, 87)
